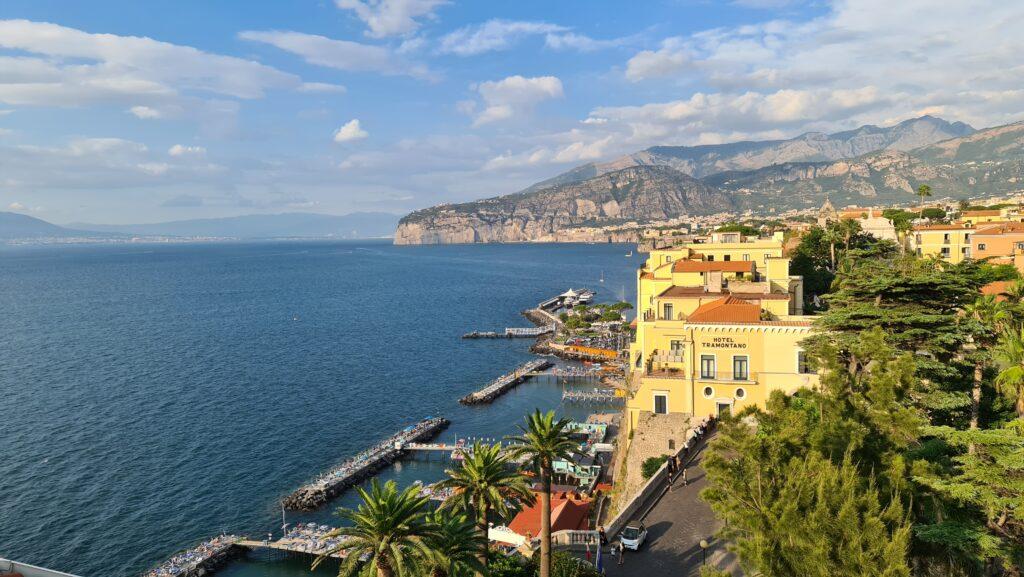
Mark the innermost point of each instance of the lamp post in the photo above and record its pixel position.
(704, 551)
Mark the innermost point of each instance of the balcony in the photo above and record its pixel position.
(724, 377)
(668, 358)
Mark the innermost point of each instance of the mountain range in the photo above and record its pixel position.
(305, 225)
(868, 165)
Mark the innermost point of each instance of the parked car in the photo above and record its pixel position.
(633, 535)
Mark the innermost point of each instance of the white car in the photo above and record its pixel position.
(633, 535)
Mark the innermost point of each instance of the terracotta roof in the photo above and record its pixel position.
(943, 227)
(981, 213)
(1001, 228)
(693, 292)
(763, 323)
(647, 275)
(713, 265)
(567, 513)
(727, 309)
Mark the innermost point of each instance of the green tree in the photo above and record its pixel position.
(987, 318)
(389, 528)
(543, 441)
(790, 510)
(933, 213)
(453, 545)
(923, 191)
(1010, 382)
(744, 229)
(486, 483)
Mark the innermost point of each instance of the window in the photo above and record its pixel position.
(945, 238)
(707, 366)
(981, 246)
(676, 347)
(727, 258)
(668, 259)
(660, 404)
(917, 239)
(803, 366)
(765, 258)
(945, 252)
(740, 368)
(740, 393)
(668, 311)
(711, 258)
(746, 256)
(708, 392)
(967, 237)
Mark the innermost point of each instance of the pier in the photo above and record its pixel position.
(316, 493)
(512, 333)
(200, 560)
(305, 538)
(505, 382)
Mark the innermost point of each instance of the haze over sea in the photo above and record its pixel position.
(154, 395)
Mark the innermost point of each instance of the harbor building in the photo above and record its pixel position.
(718, 328)
(1005, 214)
(949, 242)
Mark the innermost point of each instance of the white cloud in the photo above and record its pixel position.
(504, 98)
(145, 112)
(5, 112)
(350, 131)
(17, 206)
(492, 35)
(322, 88)
(583, 151)
(391, 17)
(339, 54)
(69, 67)
(183, 150)
(582, 43)
(670, 59)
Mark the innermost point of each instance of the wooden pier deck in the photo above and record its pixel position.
(505, 382)
(318, 492)
(307, 539)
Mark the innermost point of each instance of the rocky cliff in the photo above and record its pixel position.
(637, 193)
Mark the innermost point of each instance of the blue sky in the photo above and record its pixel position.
(152, 111)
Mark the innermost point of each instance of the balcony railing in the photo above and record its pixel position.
(668, 358)
(722, 376)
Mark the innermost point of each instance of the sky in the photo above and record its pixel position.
(128, 112)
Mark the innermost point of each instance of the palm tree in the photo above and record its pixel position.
(833, 234)
(923, 191)
(1010, 380)
(544, 441)
(453, 545)
(486, 483)
(990, 316)
(389, 532)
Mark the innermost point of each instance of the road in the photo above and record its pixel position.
(676, 525)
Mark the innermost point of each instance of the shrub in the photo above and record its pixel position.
(651, 465)
(510, 566)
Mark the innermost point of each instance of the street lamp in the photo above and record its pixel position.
(704, 551)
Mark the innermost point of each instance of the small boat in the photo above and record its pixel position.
(629, 254)
(602, 276)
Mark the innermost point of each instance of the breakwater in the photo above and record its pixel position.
(505, 382)
(328, 485)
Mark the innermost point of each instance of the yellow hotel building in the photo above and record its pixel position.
(950, 242)
(719, 325)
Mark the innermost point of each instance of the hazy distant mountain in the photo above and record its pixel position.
(637, 193)
(14, 225)
(297, 224)
(702, 161)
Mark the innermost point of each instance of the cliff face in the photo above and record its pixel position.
(558, 213)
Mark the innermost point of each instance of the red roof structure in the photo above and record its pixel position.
(568, 512)
(726, 310)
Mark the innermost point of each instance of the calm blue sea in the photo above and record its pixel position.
(154, 395)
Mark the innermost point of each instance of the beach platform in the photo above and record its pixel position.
(315, 494)
(505, 382)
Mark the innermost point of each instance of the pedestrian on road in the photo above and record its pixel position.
(622, 553)
(684, 477)
(602, 536)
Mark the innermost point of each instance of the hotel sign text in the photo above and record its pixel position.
(723, 343)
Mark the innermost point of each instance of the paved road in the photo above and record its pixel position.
(675, 527)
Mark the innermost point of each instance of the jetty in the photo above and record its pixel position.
(200, 560)
(328, 485)
(505, 382)
(512, 333)
(304, 538)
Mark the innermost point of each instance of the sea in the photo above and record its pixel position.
(155, 395)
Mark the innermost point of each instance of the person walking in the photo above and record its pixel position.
(622, 552)
(684, 477)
